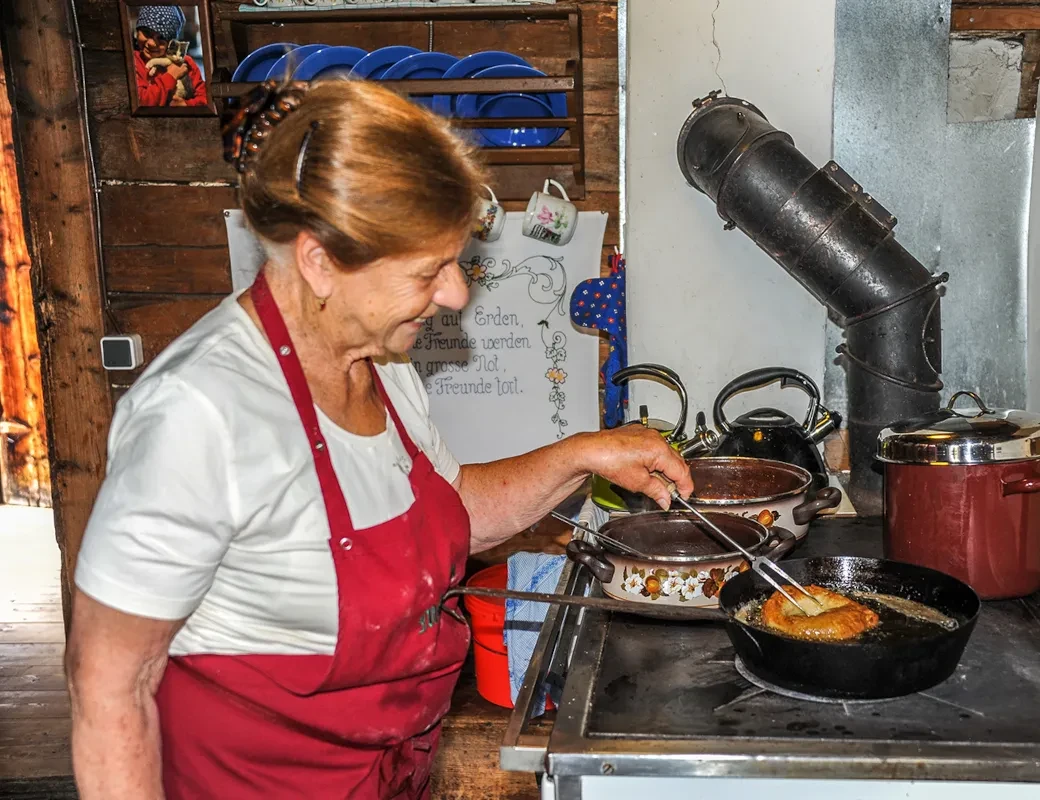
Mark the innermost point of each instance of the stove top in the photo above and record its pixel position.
(651, 697)
(671, 680)
(763, 686)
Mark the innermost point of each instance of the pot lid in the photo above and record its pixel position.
(964, 435)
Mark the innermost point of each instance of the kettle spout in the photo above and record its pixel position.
(704, 440)
(827, 421)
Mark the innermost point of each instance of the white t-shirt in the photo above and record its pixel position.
(211, 508)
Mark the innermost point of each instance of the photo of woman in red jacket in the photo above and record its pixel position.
(165, 74)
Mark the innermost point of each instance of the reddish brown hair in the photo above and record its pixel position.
(380, 176)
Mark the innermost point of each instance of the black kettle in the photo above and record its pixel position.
(770, 433)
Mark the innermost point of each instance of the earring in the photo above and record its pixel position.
(322, 301)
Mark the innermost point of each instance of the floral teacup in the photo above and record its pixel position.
(491, 218)
(550, 218)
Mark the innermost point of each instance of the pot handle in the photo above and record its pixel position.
(1024, 486)
(758, 378)
(591, 556)
(827, 497)
(785, 542)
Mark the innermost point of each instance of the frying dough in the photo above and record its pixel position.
(838, 620)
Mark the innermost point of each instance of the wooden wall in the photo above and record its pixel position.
(24, 469)
(164, 184)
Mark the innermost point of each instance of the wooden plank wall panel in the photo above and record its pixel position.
(42, 57)
(164, 183)
(24, 472)
(1017, 17)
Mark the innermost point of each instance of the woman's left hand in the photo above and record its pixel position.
(631, 455)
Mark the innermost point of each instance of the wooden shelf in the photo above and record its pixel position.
(431, 86)
(569, 150)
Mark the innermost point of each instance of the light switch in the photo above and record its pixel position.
(121, 352)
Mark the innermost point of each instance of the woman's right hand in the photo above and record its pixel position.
(635, 458)
(176, 71)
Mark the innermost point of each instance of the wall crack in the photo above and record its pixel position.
(718, 50)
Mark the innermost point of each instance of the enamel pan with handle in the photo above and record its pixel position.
(900, 657)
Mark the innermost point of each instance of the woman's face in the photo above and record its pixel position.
(391, 299)
(150, 44)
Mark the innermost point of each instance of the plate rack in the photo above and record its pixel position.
(242, 31)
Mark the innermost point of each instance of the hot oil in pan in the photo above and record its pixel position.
(899, 617)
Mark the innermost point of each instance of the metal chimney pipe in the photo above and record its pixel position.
(837, 241)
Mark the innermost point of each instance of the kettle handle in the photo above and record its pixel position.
(758, 378)
(671, 378)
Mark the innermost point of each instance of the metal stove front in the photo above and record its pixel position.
(662, 706)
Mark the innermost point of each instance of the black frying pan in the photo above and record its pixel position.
(899, 657)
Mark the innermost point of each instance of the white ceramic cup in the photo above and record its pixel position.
(550, 218)
(491, 218)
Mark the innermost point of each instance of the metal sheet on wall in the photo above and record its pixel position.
(891, 59)
(960, 191)
(986, 188)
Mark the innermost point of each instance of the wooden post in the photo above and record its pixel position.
(24, 474)
(50, 131)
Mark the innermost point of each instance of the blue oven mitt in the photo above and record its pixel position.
(599, 303)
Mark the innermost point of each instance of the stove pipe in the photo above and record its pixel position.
(837, 241)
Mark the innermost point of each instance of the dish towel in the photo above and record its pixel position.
(535, 572)
(599, 303)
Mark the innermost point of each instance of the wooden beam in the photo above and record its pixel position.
(50, 129)
(996, 18)
(23, 430)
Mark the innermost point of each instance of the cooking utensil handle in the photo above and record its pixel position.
(827, 497)
(758, 378)
(598, 603)
(1023, 486)
(670, 377)
(598, 537)
(588, 555)
(785, 542)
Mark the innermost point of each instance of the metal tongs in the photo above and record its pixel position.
(759, 564)
(620, 546)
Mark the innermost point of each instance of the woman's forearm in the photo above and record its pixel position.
(505, 497)
(116, 750)
(115, 663)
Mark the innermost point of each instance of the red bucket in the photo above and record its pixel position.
(488, 617)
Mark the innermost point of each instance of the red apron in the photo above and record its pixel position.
(364, 722)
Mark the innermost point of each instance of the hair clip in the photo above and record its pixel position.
(245, 128)
(301, 158)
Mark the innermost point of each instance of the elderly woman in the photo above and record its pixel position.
(280, 512)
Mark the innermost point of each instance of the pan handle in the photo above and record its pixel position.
(1024, 486)
(785, 542)
(827, 497)
(677, 613)
(593, 557)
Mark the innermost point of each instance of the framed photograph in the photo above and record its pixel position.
(169, 57)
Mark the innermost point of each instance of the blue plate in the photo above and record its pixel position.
(284, 66)
(420, 67)
(465, 68)
(379, 61)
(511, 104)
(255, 66)
(514, 104)
(332, 62)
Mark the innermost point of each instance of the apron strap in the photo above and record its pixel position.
(281, 343)
(406, 440)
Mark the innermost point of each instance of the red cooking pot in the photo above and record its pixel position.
(961, 496)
